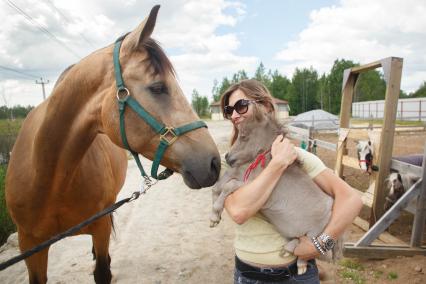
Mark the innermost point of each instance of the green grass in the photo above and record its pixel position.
(6, 225)
(380, 122)
(353, 275)
(8, 127)
(352, 270)
(8, 132)
(351, 264)
(392, 275)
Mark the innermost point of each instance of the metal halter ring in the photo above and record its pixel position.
(123, 91)
(169, 131)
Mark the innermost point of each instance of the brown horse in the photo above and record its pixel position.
(68, 161)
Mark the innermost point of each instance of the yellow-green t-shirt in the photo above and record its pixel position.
(257, 240)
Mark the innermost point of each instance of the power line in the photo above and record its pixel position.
(40, 27)
(68, 21)
(18, 71)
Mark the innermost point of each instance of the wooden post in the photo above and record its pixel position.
(349, 80)
(392, 68)
(419, 218)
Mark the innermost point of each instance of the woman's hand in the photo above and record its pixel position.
(306, 249)
(283, 152)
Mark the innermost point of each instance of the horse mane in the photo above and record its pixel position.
(158, 59)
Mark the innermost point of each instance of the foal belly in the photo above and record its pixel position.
(297, 206)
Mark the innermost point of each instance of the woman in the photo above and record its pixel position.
(257, 243)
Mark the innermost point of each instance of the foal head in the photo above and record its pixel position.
(397, 185)
(365, 154)
(256, 135)
(150, 79)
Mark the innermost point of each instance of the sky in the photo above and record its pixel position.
(211, 39)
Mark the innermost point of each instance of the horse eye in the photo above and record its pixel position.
(158, 89)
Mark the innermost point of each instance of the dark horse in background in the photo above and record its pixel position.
(68, 161)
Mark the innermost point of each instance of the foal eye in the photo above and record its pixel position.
(158, 89)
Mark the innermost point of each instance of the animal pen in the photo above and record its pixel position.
(382, 141)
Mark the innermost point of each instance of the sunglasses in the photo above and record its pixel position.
(241, 107)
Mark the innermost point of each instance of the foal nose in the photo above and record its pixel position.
(229, 159)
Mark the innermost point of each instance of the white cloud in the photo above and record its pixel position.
(363, 31)
(188, 28)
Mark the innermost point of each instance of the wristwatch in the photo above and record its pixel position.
(327, 242)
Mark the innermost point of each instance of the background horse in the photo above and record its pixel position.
(68, 161)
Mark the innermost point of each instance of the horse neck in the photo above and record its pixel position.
(70, 125)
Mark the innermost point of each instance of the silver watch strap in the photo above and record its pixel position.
(317, 245)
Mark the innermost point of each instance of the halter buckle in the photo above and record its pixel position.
(170, 131)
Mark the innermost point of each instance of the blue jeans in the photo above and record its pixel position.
(310, 277)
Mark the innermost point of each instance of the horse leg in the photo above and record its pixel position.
(37, 263)
(101, 232)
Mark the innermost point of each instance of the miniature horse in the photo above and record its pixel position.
(296, 207)
(68, 161)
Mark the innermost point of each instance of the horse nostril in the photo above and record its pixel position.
(215, 166)
(226, 157)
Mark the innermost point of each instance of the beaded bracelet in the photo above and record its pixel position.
(318, 246)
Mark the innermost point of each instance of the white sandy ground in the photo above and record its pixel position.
(163, 237)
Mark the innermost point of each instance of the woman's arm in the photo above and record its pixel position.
(248, 199)
(347, 205)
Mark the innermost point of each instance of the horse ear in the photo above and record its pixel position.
(149, 24)
(145, 29)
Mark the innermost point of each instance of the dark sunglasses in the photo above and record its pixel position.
(241, 107)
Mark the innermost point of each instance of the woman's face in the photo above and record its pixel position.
(237, 118)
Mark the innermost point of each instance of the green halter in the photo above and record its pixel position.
(168, 134)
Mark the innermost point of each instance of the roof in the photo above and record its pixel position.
(318, 119)
(276, 101)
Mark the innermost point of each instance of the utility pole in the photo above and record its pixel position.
(42, 86)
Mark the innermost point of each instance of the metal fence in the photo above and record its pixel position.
(408, 109)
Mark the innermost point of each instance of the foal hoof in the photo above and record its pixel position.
(213, 224)
(301, 270)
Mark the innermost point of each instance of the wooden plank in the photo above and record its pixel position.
(350, 162)
(387, 137)
(384, 222)
(366, 67)
(405, 168)
(384, 237)
(381, 251)
(420, 216)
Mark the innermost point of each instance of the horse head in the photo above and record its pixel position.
(150, 81)
(365, 155)
(256, 135)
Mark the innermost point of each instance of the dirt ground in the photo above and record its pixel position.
(164, 237)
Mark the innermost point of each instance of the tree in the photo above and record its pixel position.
(262, 76)
(420, 92)
(332, 87)
(239, 76)
(280, 86)
(303, 94)
(370, 86)
(200, 104)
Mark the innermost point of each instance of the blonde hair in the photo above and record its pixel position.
(254, 90)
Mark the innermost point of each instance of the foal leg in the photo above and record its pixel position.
(37, 263)
(101, 232)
